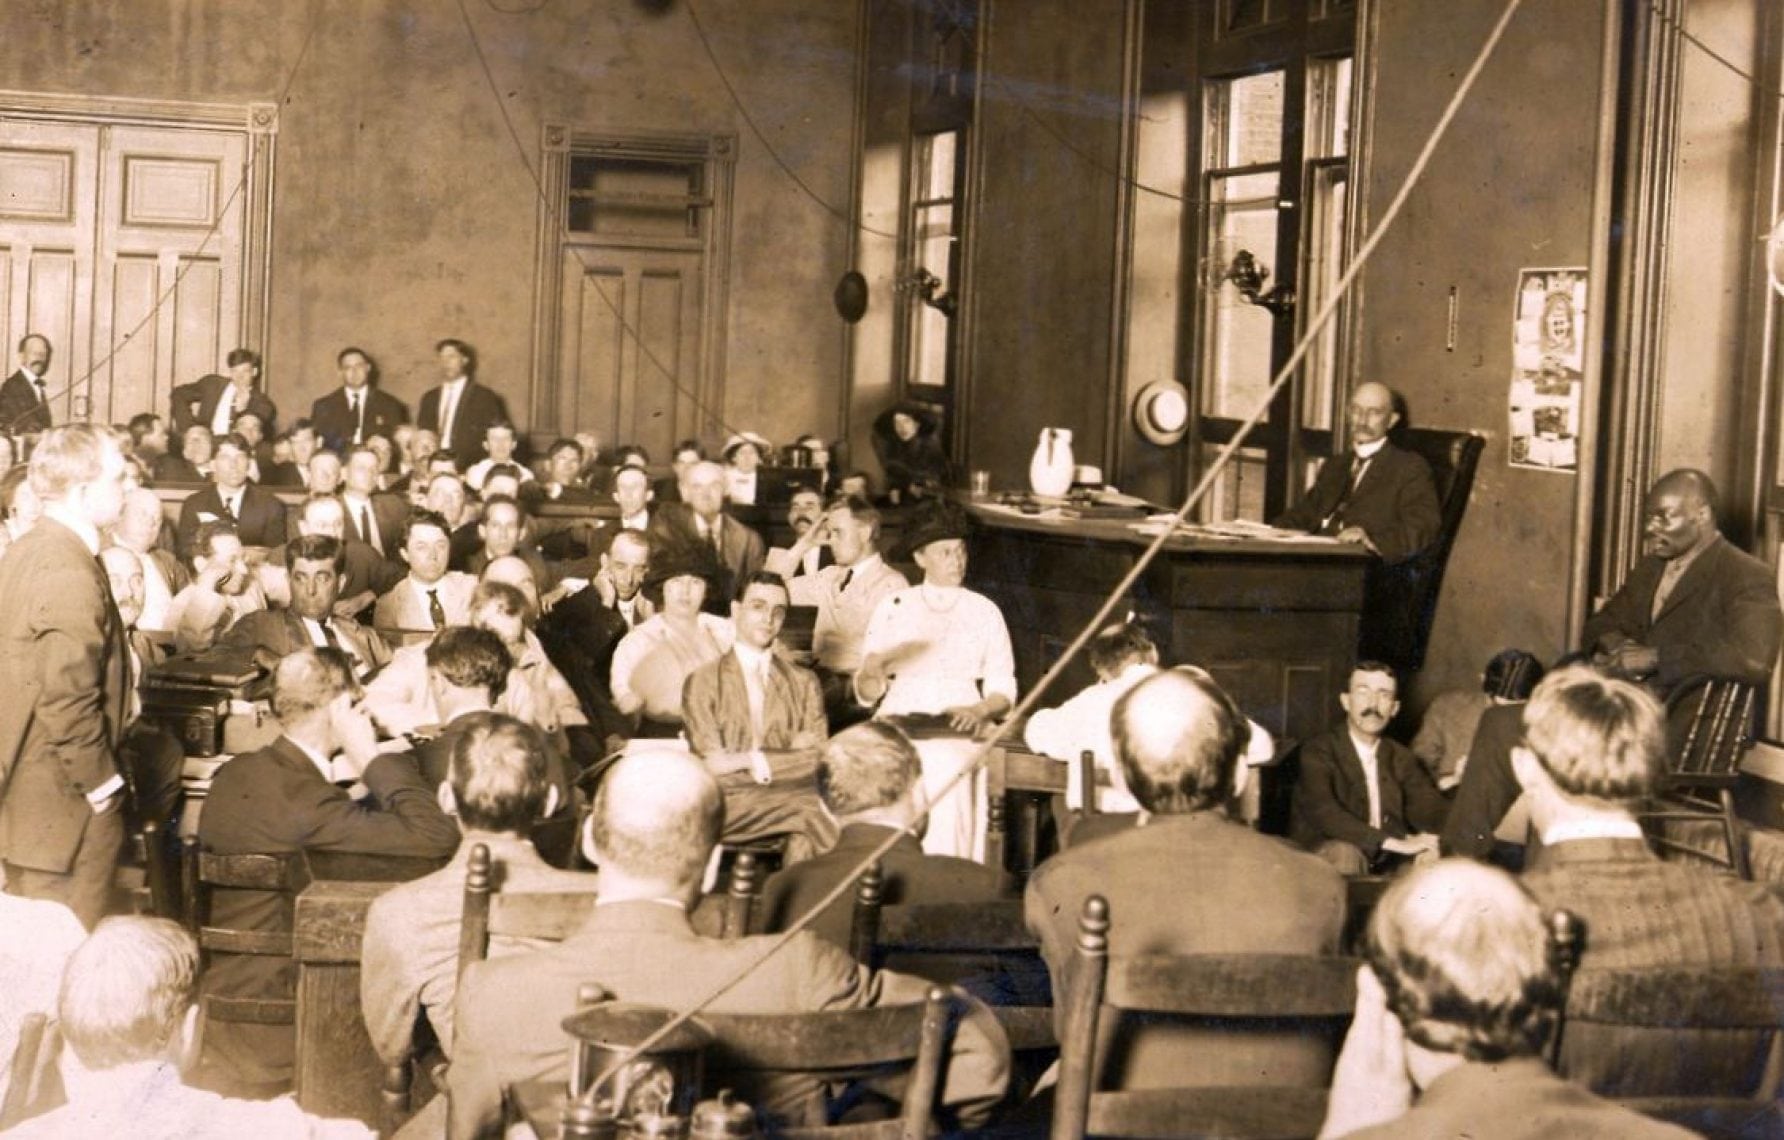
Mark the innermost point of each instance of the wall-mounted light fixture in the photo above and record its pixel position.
(929, 288)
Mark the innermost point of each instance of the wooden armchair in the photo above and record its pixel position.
(835, 1044)
(951, 934)
(1705, 766)
(202, 872)
(1402, 599)
(1266, 988)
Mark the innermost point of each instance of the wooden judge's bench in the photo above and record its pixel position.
(1274, 621)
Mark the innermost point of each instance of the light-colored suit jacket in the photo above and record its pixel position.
(843, 613)
(400, 608)
(510, 1010)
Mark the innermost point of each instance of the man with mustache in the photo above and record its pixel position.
(1363, 802)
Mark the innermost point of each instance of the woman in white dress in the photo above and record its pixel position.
(651, 663)
(938, 649)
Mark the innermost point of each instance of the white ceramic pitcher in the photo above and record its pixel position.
(1050, 472)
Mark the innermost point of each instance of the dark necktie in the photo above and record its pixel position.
(1358, 464)
(328, 635)
(847, 576)
(356, 407)
(229, 510)
(43, 393)
(435, 611)
(365, 526)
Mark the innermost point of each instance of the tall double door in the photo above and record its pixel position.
(123, 245)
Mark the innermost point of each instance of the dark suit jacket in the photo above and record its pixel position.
(276, 802)
(64, 669)
(911, 877)
(261, 521)
(478, 407)
(1640, 911)
(1722, 617)
(279, 474)
(171, 468)
(196, 403)
(20, 409)
(743, 549)
(1332, 799)
(1395, 503)
(269, 635)
(389, 512)
(334, 423)
(510, 1008)
(579, 635)
(1251, 893)
(1515, 1099)
(1489, 786)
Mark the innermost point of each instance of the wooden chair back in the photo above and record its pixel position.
(1705, 765)
(834, 1044)
(28, 1057)
(204, 871)
(1267, 988)
(1014, 769)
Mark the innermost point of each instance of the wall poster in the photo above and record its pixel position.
(1547, 375)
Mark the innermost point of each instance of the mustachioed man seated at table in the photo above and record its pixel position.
(940, 653)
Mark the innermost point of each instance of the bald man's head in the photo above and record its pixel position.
(514, 571)
(1178, 738)
(1679, 514)
(654, 824)
(1372, 413)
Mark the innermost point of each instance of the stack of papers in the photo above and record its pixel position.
(1227, 530)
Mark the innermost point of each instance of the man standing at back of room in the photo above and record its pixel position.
(1375, 494)
(64, 668)
(25, 397)
(357, 410)
(460, 410)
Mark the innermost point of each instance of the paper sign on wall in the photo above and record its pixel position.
(1548, 322)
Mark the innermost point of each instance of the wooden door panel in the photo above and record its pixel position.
(48, 178)
(631, 327)
(171, 200)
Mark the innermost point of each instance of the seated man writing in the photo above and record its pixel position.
(1362, 799)
(757, 720)
(1376, 494)
(655, 821)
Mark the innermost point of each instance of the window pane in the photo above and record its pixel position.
(1242, 216)
(1328, 107)
(1324, 265)
(614, 196)
(935, 165)
(1161, 160)
(1244, 125)
(1238, 491)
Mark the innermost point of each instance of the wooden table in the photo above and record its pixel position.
(1275, 622)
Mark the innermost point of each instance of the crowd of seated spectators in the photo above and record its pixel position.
(455, 648)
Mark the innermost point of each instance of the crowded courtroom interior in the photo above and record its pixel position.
(892, 568)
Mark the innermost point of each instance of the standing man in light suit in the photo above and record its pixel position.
(64, 667)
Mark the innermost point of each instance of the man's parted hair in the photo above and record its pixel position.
(505, 596)
(425, 517)
(307, 679)
(1462, 950)
(1598, 737)
(1119, 645)
(242, 356)
(871, 765)
(208, 533)
(1178, 738)
(760, 578)
(66, 457)
(126, 990)
(470, 658)
(861, 510)
(463, 350)
(669, 831)
(316, 548)
(141, 424)
(498, 774)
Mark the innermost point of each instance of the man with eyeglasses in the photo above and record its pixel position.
(1375, 494)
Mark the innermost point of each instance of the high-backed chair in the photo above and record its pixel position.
(1401, 600)
(202, 872)
(1270, 989)
(1705, 766)
(956, 937)
(834, 1044)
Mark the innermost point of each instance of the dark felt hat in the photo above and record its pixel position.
(678, 559)
(936, 520)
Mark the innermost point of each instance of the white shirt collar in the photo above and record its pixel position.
(1368, 450)
(639, 521)
(83, 530)
(323, 764)
(1365, 748)
(1592, 827)
(30, 375)
(750, 658)
(456, 386)
(421, 588)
